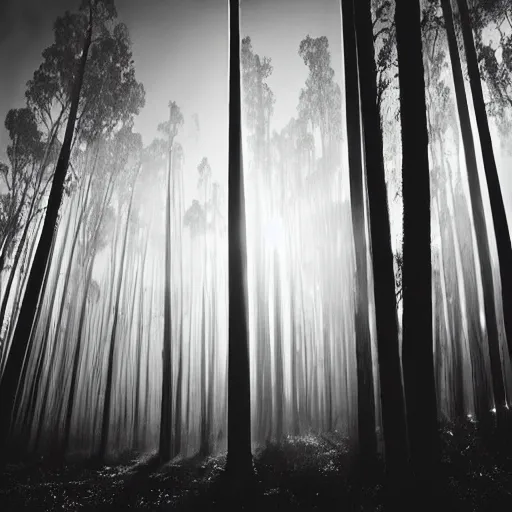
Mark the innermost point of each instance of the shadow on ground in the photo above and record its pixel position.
(302, 473)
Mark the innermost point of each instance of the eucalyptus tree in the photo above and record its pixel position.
(500, 223)
(384, 38)
(133, 170)
(125, 143)
(170, 128)
(25, 319)
(392, 402)
(367, 442)
(320, 99)
(73, 42)
(216, 226)
(18, 205)
(205, 172)
(482, 238)
(417, 347)
(239, 457)
(23, 153)
(258, 102)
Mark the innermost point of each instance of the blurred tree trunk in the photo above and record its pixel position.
(279, 362)
(105, 425)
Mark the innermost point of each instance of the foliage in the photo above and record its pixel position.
(258, 98)
(171, 127)
(110, 93)
(320, 100)
(205, 172)
(195, 218)
(21, 177)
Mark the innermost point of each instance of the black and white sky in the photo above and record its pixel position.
(180, 48)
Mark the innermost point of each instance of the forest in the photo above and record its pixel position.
(322, 318)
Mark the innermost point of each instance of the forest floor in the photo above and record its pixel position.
(302, 473)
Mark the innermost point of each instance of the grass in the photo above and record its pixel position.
(310, 472)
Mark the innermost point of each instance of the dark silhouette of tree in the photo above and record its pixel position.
(367, 442)
(417, 347)
(239, 457)
(477, 207)
(392, 398)
(11, 373)
(499, 216)
(67, 80)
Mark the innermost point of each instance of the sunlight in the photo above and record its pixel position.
(274, 233)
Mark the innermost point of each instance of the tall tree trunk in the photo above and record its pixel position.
(417, 345)
(165, 446)
(105, 425)
(499, 216)
(278, 344)
(36, 377)
(140, 337)
(239, 457)
(367, 441)
(481, 388)
(9, 381)
(482, 238)
(146, 387)
(392, 398)
(204, 436)
(76, 358)
(19, 253)
(295, 364)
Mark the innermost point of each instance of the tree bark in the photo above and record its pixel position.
(392, 397)
(367, 441)
(417, 346)
(239, 457)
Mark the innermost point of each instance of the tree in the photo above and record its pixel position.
(384, 37)
(258, 109)
(67, 60)
(367, 442)
(205, 173)
(417, 347)
(477, 207)
(105, 421)
(24, 154)
(393, 410)
(499, 216)
(9, 380)
(320, 100)
(170, 128)
(239, 457)
(258, 101)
